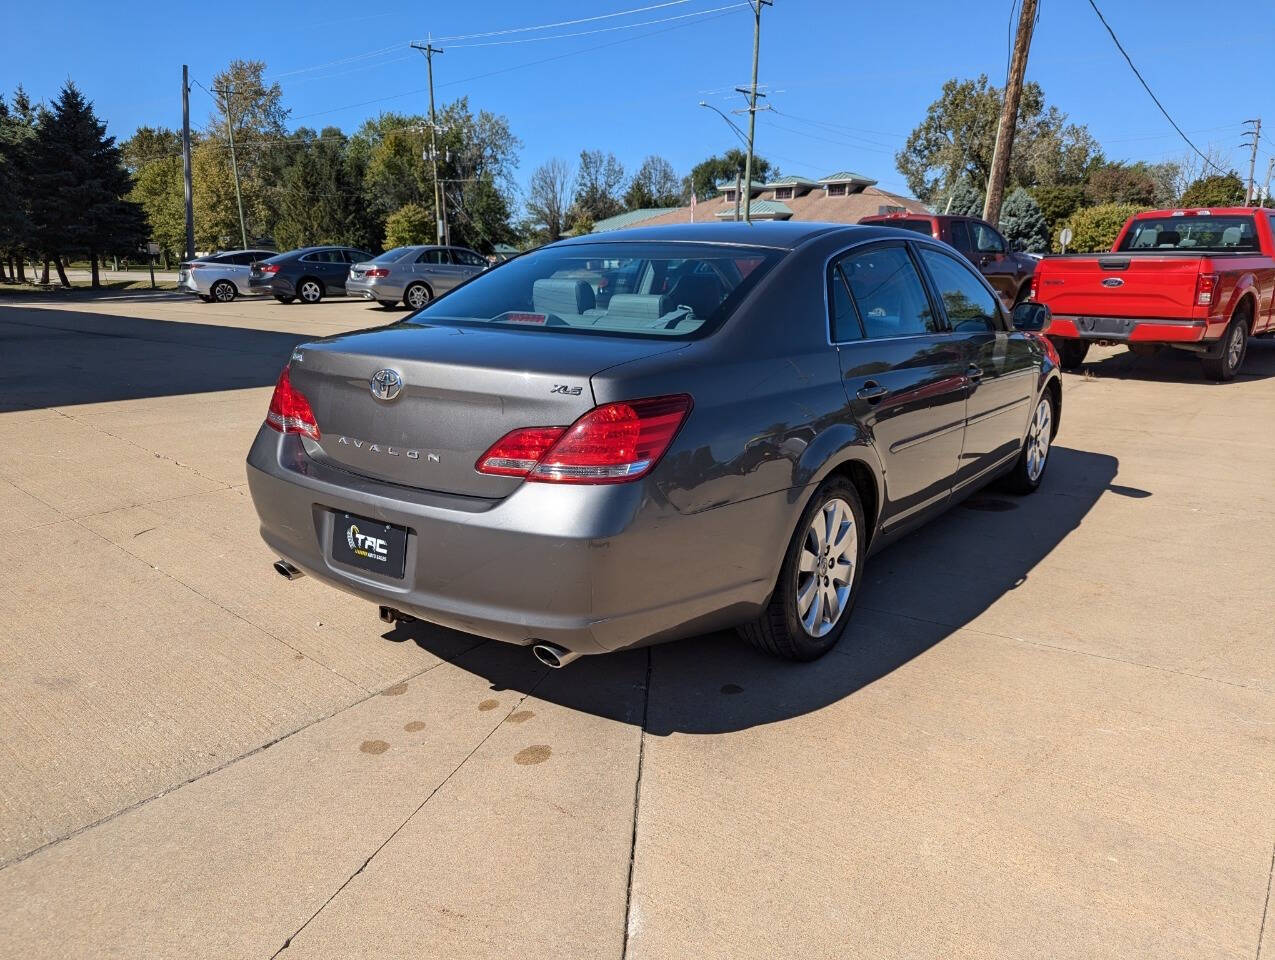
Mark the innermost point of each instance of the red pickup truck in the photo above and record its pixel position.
(1197, 280)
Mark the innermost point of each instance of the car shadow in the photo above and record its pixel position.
(1179, 366)
(914, 594)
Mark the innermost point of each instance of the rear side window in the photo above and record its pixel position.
(960, 236)
(887, 289)
(322, 256)
(969, 305)
(432, 256)
(845, 322)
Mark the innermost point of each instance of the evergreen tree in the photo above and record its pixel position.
(318, 200)
(1023, 223)
(17, 131)
(79, 185)
(963, 200)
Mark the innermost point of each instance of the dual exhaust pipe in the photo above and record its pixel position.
(550, 654)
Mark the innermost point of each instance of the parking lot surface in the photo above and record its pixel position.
(1050, 731)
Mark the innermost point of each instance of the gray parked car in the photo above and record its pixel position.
(414, 275)
(219, 277)
(627, 438)
(308, 274)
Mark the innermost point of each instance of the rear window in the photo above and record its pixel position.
(916, 226)
(1199, 232)
(663, 290)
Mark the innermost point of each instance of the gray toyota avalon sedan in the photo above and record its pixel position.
(626, 438)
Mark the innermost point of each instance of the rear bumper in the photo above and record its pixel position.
(379, 288)
(591, 568)
(278, 286)
(1128, 330)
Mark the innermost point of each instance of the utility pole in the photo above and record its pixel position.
(1266, 187)
(752, 105)
(234, 164)
(737, 196)
(1256, 134)
(190, 211)
(1009, 114)
(440, 198)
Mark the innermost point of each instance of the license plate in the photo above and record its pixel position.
(369, 544)
(1105, 326)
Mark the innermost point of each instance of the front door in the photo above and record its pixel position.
(999, 366)
(904, 375)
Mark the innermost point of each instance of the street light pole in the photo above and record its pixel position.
(234, 164)
(752, 104)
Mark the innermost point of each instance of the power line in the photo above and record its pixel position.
(334, 63)
(560, 23)
(586, 33)
(516, 66)
(1116, 40)
(838, 129)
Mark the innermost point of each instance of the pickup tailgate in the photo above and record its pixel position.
(1135, 285)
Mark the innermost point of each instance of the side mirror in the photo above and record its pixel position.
(1031, 317)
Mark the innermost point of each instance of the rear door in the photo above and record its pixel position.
(1119, 285)
(434, 266)
(1000, 366)
(904, 374)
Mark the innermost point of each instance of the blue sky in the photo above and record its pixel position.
(848, 80)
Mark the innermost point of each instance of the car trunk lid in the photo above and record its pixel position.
(1135, 285)
(462, 389)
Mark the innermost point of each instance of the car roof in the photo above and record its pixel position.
(782, 234)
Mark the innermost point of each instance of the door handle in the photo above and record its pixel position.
(871, 391)
(974, 372)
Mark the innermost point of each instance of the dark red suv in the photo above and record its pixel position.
(1009, 272)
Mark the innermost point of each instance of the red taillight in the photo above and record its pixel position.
(609, 444)
(289, 409)
(268, 267)
(376, 272)
(1031, 294)
(1205, 287)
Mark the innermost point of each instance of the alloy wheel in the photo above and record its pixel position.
(310, 292)
(825, 569)
(417, 297)
(223, 292)
(1038, 438)
(1235, 348)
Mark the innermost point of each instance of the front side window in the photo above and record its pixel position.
(986, 240)
(468, 258)
(663, 290)
(888, 292)
(1202, 233)
(970, 306)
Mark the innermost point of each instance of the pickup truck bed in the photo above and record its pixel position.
(1208, 302)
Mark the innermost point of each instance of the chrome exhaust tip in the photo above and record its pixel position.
(552, 655)
(287, 570)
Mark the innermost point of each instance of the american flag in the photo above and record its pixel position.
(692, 208)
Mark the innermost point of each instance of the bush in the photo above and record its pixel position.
(1094, 229)
(1023, 224)
(1215, 191)
(409, 224)
(1058, 203)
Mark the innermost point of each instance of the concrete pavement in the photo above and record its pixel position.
(1051, 733)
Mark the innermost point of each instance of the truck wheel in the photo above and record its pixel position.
(819, 580)
(1235, 346)
(1071, 353)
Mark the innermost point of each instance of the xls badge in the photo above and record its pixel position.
(372, 548)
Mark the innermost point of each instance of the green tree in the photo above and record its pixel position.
(17, 130)
(707, 174)
(1094, 229)
(79, 185)
(598, 181)
(320, 200)
(410, 224)
(1215, 191)
(654, 185)
(1023, 224)
(956, 139)
(1140, 183)
(963, 200)
(153, 156)
(1058, 203)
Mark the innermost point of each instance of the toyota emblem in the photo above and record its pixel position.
(386, 384)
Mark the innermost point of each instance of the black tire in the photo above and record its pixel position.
(223, 291)
(309, 290)
(204, 297)
(1234, 348)
(388, 304)
(285, 299)
(1071, 352)
(1027, 475)
(420, 292)
(779, 630)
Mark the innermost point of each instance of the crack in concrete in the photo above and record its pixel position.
(421, 806)
(232, 761)
(637, 801)
(1267, 904)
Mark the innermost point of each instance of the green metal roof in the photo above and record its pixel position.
(793, 182)
(758, 208)
(730, 185)
(846, 176)
(630, 217)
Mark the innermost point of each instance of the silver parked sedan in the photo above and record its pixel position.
(219, 277)
(414, 275)
(628, 438)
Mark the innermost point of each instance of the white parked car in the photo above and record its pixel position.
(219, 276)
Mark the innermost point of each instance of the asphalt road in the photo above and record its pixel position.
(1051, 732)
